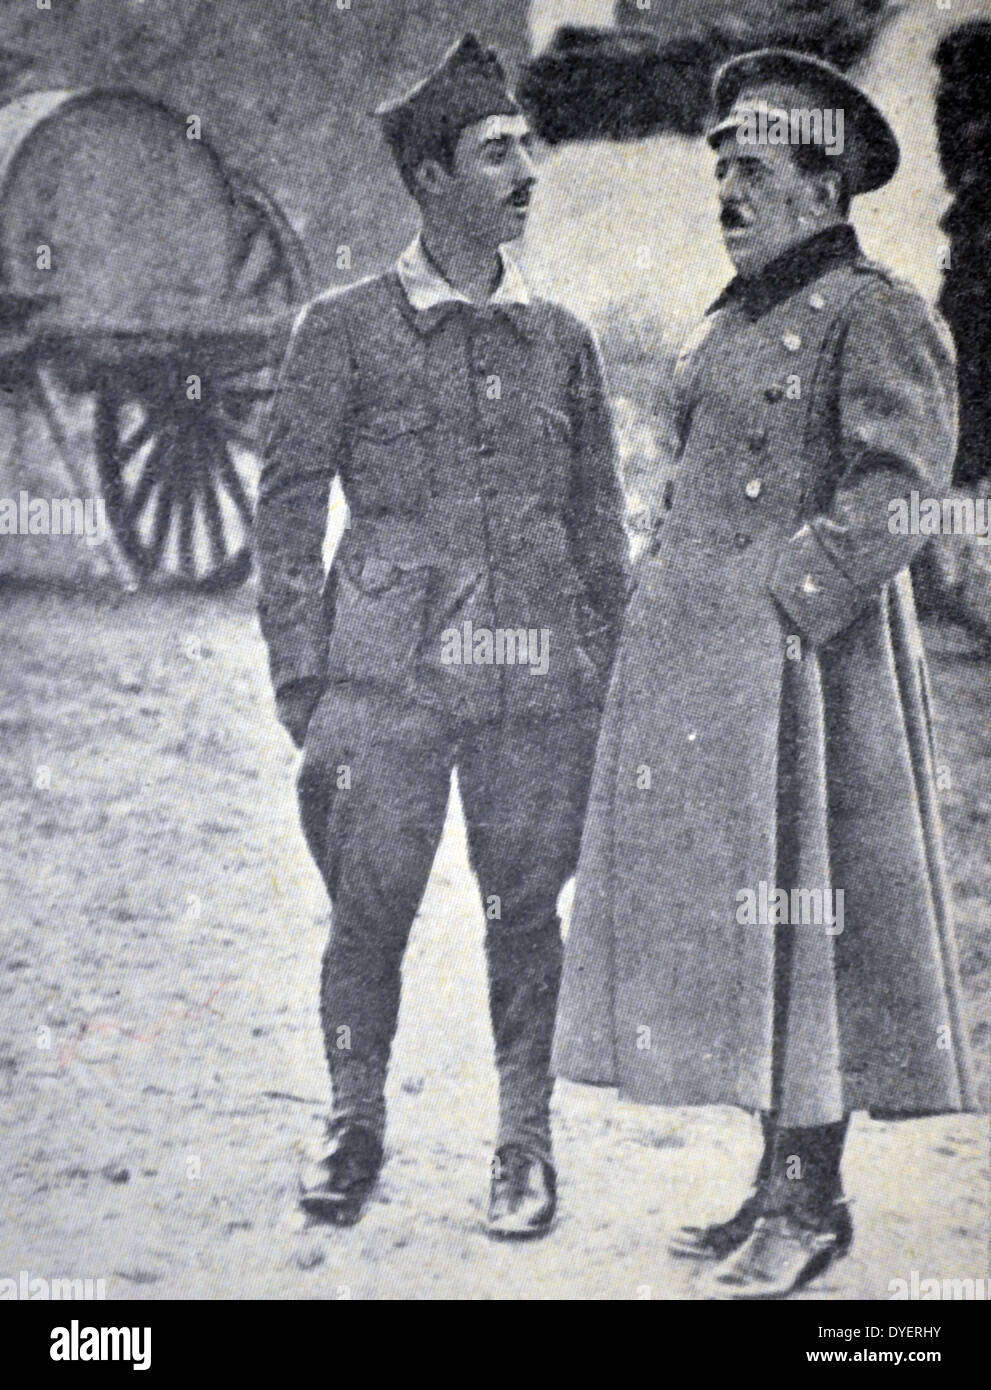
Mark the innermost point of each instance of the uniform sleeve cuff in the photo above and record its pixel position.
(296, 656)
(813, 590)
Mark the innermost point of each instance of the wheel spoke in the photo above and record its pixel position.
(136, 441)
(234, 485)
(187, 534)
(214, 521)
(249, 231)
(206, 488)
(152, 553)
(144, 486)
(273, 272)
(260, 262)
(240, 429)
(105, 420)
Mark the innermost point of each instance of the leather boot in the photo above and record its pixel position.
(804, 1227)
(337, 1187)
(717, 1241)
(523, 1197)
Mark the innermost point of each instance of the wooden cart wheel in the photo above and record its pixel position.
(179, 477)
(178, 488)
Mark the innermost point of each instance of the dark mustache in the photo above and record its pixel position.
(520, 190)
(732, 217)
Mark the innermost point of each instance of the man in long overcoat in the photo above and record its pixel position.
(761, 916)
(469, 620)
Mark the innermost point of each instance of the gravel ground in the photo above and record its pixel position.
(161, 1069)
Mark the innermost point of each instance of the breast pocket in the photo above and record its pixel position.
(392, 458)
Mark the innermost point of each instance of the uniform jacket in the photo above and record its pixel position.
(818, 393)
(477, 455)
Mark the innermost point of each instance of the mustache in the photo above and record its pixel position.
(733, 216)
(522, 192)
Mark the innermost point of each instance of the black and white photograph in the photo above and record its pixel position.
(495, 688)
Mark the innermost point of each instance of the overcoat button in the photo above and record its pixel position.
(491, 490)
(741, 541)
(484, 448)
(792, 341)
(753, 488)
(816, 302)
(810, 584)
(757, 440)
(774, 393)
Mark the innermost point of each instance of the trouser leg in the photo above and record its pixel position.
(524, 787)
(806, 1179)
(373, 793)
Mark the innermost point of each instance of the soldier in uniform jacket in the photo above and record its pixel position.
(469, 619)
(761, 912)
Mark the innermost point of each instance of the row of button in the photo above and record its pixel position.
(810, 585)
(480, 343)
(757, 439)
(792, 342)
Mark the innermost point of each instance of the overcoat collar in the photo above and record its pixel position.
(787, 274)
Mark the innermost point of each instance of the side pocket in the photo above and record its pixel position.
(380, 611)
(385, 424)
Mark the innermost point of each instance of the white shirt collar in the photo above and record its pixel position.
(426, 288)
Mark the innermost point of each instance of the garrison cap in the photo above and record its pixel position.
(468, 85)
(779, 79)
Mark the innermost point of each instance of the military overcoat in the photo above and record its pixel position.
(777, 596)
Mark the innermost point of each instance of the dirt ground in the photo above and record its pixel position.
(161, 1069)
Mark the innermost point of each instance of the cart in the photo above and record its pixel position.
(147, 292)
